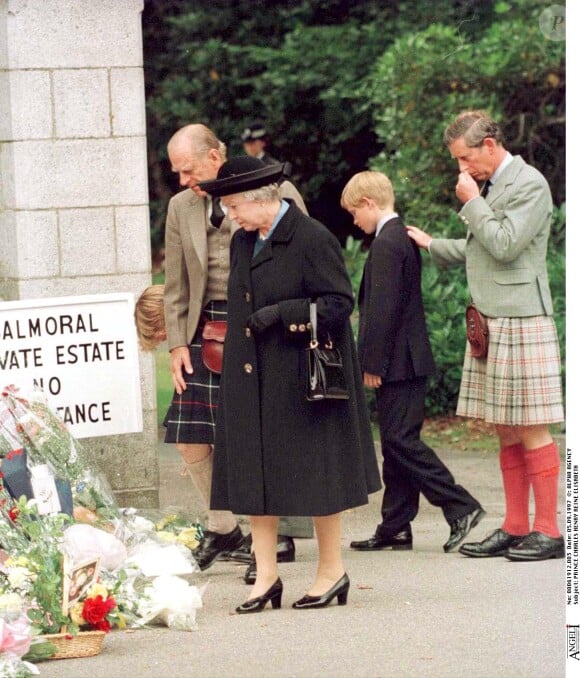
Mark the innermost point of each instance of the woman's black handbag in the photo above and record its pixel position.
(326, 379)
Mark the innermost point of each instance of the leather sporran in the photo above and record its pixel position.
(477, 332)
(326, 380)
(212, 344)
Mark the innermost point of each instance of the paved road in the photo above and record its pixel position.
(411, 613)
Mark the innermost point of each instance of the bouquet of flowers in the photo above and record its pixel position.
(94, 566)
(34, 570)
(176, 528)
(96, 611)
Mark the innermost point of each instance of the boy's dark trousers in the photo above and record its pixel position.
(409, 466)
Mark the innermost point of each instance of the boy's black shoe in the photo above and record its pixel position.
(461, 527)
(401, 541)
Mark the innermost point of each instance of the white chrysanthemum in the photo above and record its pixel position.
(20, 578)
(10, 602)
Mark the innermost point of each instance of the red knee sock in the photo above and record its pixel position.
(543, 465)
(516, 485)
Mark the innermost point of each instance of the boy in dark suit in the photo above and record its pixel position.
(396, 359)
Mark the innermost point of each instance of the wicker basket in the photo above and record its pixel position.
(84, 644)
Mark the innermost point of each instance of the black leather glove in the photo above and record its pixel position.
(263, 318)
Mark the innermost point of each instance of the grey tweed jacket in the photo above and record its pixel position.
(505, 249)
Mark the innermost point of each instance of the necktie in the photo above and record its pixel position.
(217, 214)
(486, 188)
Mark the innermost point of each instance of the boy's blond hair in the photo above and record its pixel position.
(150, 317)
(369, 184)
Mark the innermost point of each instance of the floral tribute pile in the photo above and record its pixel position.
(71, 560)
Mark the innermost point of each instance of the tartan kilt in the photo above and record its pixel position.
(519, 383)
(191, 416)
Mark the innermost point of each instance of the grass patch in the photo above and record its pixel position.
(454, 433)
(459, 433)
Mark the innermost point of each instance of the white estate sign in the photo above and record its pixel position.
(83, 352)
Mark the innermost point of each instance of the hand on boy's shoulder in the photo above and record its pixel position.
(422, 239)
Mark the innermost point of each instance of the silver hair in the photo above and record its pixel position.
(221, 148)
(266, 193)
(201, 140)
(474, 127)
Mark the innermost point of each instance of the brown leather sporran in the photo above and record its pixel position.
(212, 344)
(477, 332)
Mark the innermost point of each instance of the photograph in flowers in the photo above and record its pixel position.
(78, 578)
(73, 564)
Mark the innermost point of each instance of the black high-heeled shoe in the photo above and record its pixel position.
(273, 594)
(338, 591)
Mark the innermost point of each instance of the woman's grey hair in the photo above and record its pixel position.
(473, 127)
(267, 193)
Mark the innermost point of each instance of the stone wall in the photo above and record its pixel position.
(74, 216)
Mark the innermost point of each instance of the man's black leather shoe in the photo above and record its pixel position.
(461, 527)
(286, 553)
(495, 544)
(213, 545)
(402, 541)
(243, 554)
(537, 546)
(285, 550)
(250, 574)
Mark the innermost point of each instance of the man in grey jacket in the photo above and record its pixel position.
(517, 386)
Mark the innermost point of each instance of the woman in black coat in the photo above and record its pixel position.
(275, 452)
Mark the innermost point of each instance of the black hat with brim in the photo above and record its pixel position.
(242, 174)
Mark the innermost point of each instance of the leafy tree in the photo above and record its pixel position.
(433, 74)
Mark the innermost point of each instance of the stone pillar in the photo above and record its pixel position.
(74, 215)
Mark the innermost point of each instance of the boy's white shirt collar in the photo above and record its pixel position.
(383, 221)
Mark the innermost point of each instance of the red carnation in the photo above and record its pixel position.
(102, 626)
(96, 609)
